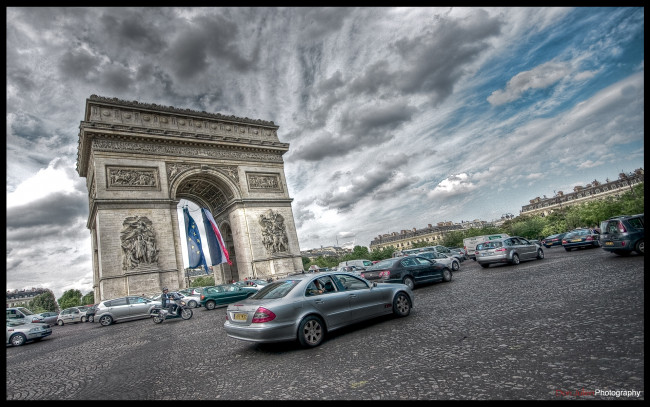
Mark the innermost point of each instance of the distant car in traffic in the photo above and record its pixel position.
(71, 315)
(307, 307)
(581, 238)
(23, 314)
(510, 250)
(449, 261)
(553, 240)
(224, 294)
(410, 270)
(49, 317)
(19, 332)
(623, 235)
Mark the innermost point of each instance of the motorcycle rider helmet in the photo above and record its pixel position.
(164, 288)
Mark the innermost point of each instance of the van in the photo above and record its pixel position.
(471, 242)
(359, 264)
(623, 235)
(23, 314)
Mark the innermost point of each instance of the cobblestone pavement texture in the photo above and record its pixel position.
(558, 328)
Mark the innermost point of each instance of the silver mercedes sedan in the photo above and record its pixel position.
(305, 307)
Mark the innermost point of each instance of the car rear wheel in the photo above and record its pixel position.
(485, 265)
(540, 254)
(105, 320)
(640, 247)
(311, 331)
(408, 281)
(210, 305)
(568, 249)
(446, 275)
(18, 339)
(401, 305)
(455, 266)
(515, 259)
(59, 322)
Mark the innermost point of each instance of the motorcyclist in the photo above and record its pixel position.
(166, 300)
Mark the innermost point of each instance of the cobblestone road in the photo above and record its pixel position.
(566, 327)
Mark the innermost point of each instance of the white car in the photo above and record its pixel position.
(449, 261)
(70, 315)
(19, 332)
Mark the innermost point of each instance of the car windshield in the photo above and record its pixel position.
(276, 289)
(26, 311)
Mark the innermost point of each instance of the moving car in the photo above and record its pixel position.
(256, 284)
(123, 309)
(224, 294)
(19, 332)
(580, 238)
(290, 309)
(360, 264)
(49, 317)
(510, 250)
(451, 262)
(71, 315)
(553, 240)
(623, 235)
(410, 271)
(23, 314)
(469, 243)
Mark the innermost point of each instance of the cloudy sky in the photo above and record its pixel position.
(396, 117)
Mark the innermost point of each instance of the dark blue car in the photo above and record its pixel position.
(410, 270)
(581, 238)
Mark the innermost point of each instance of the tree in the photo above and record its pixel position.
(203, 281)
(45, 302)
(70, 298)
(383, 253)
(88, 298)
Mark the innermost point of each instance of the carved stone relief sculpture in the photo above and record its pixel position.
(138, 243)
(274, 233)
(132, 177)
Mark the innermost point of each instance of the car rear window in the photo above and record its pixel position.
(489, 245)
(276, 289)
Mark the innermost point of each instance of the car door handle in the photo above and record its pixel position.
(353, 296)
(319, 301)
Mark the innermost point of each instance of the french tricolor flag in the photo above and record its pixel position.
(218, 251)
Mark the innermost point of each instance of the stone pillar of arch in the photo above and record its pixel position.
(140, 160)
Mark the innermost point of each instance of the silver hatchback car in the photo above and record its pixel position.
(512, 250)
(123, 309)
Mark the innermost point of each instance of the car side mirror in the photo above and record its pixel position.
(374, 284)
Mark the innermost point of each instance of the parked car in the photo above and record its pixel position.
(224, 294)
(71, 315)
(23, 314)
(359, 264)
(579, 238)
(448, 261)
(19, 332)
(351, 269)
(288, 309)
(123, 309)
(623, 234)
(449, 252)
(461, 252)
(512, 250)
(410, 270)
(49, 317)
(469, 243)
(192, 301)
(191, 291)
(553, 240)
(256, 283)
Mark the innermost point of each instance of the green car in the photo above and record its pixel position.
(224, 294)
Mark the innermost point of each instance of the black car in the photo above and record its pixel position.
(581, 238)
(553, 240)
(411, 270)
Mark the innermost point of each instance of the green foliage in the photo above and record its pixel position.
(385, 253)
(43, 303)
(203, 281)
(306, 263)
(453, 239)
(70, 298)
(528, 227)
(88, 299)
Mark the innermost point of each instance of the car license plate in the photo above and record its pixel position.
(576, 240)
(609, 243)
(238, 316)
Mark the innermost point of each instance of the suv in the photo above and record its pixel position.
(623, 234)
(123, 309)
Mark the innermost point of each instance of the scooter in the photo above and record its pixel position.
(160, 314)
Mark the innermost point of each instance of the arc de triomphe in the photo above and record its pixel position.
(140, 160)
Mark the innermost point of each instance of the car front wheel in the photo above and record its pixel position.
(192, 304)
(540, 254)
(446, 275)
(515, 259)
(311, 332)
(455, 266)
(59, 322)
(401, 305)
(18, 339)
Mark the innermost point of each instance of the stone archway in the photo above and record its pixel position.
(140, 160)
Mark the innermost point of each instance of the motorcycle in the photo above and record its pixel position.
(160, 314)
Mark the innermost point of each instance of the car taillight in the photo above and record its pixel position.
(589, 238)
(502, 249)
(263, 315)
(202, 297)
(563, 241)
(621, 227)
(384, 273)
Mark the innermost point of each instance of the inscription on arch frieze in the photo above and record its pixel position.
(118, 177)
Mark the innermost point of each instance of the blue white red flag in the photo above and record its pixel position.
(194, 250)
(218, 252)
